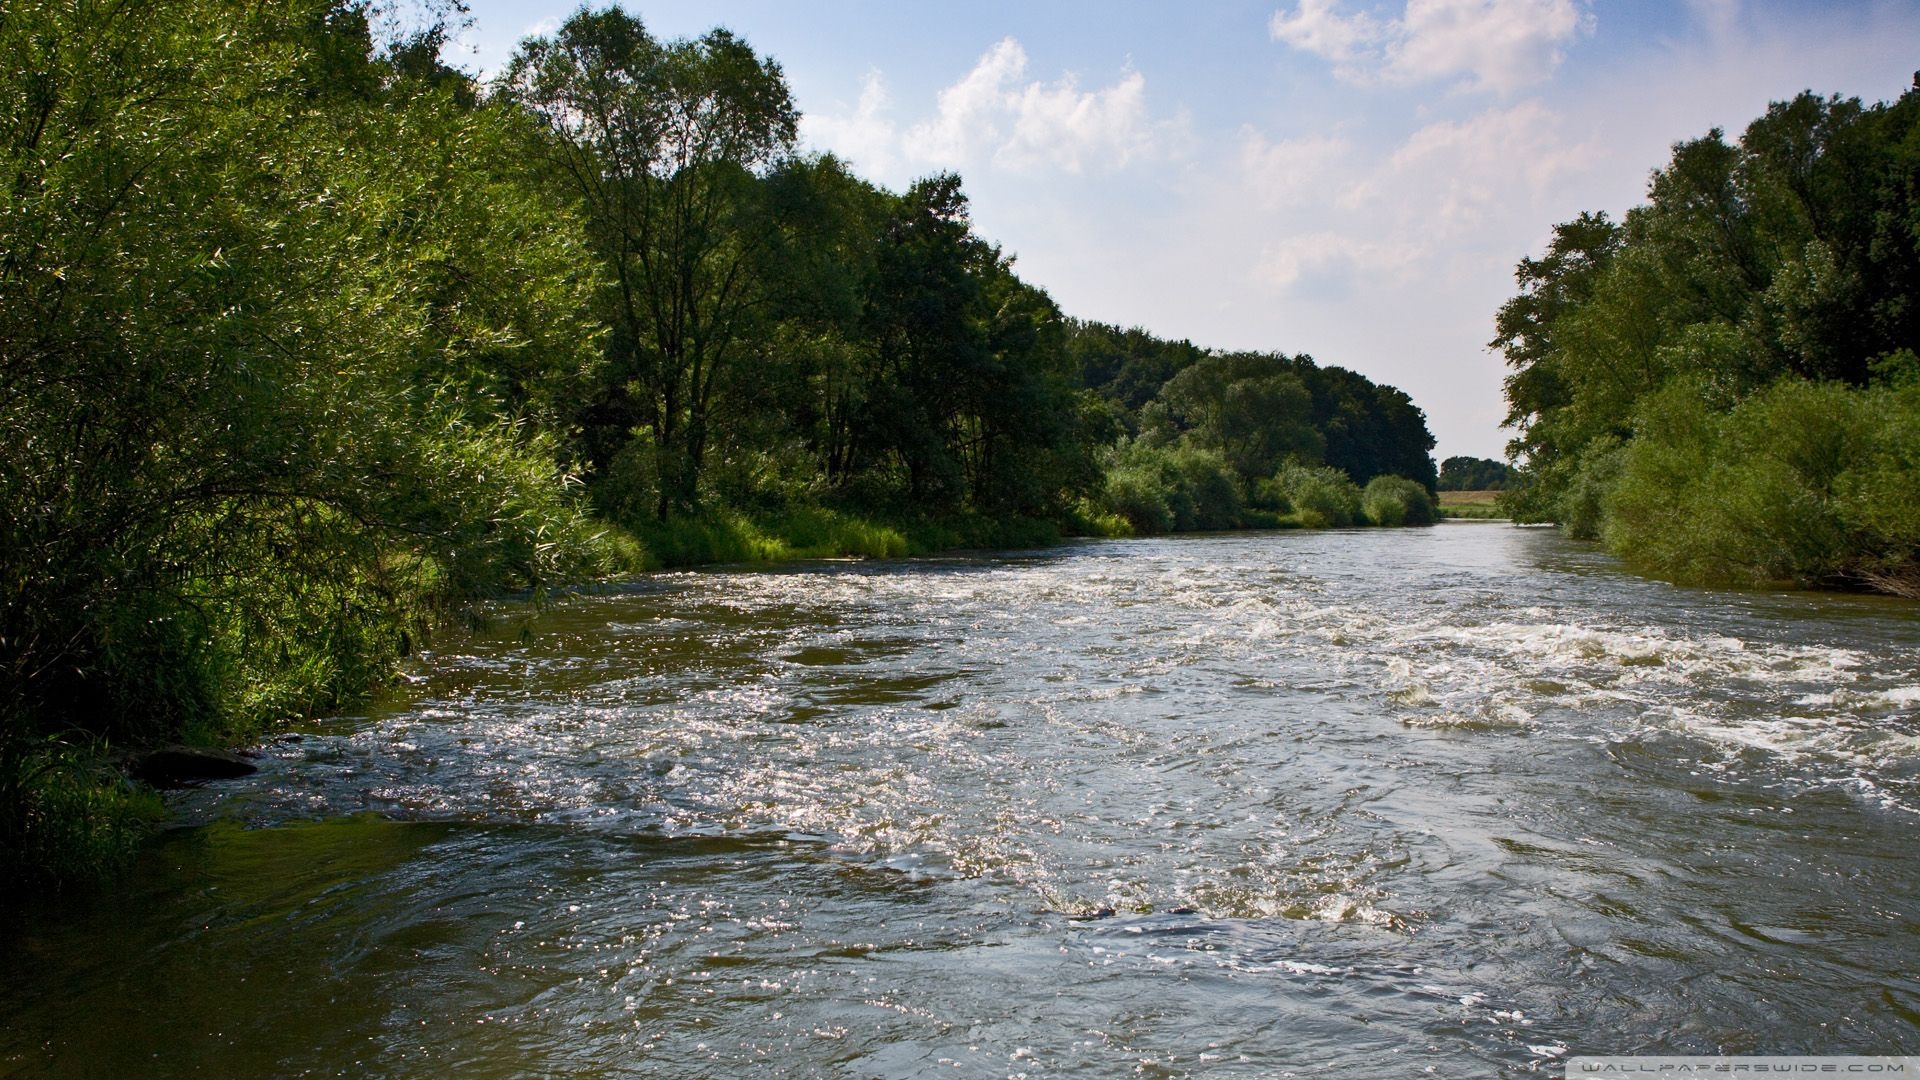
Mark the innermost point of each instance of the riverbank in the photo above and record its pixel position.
(74, 812)
(1471, 505)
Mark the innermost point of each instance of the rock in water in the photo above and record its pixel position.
(182, 766)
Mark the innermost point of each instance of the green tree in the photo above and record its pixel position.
(271, 381)
(1757, 268)
(1461, 473)
(1250, 407)
(664, 144)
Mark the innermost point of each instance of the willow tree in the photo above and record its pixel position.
(281, 333)
(664, 143)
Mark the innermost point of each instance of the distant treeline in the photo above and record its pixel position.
(307, 339)
(1209, 440)
(1723, 386)
(1476, 474)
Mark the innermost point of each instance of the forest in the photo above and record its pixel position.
(1723, 385)
(308, 341)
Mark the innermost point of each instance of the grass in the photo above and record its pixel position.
(1471, 506)
(812, 532)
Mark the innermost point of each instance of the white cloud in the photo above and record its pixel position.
(1058, 124)
(1330, 210)
(1314, 27)
(994, 112)
(864, 135)
(971, 110)
(1283, 263)
(1450, 177)
(1497, 45)
(1290, 171)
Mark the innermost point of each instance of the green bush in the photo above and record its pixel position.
(1394, 501)
(1582, 500)
(1141, 494)
(812, 532)
(1211, 490)
(1320, 497)
(1159, 487)
(1810, 483)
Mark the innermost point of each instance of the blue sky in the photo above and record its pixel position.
(1346, 179)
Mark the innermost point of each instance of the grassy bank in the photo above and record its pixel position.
(731, 536)
(71, 816)
(1471, 505)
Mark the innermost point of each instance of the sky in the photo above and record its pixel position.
(1350, 180)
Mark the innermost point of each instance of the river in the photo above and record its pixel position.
(1459, 801)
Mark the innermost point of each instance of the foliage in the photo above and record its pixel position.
(1393, 501)
(1160, 488)
(1773, 280)
(1809, 483)
(660, 143)
(1249, 405)
(306, 340)
(273, 377)
(1474, 474)
(1320, 497)
(70, 817)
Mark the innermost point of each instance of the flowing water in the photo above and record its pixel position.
(1459, 801)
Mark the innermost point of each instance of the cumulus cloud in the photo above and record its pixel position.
(1315, 27)
(1453, 175)
(1287, 172)
(1284, 262)
(863, 135)
(1496, 45)
(1058, 124)
(996, 114)
(1331, 209)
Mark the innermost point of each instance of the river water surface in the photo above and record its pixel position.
(1460, 801)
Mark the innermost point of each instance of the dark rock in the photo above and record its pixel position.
(184, 766)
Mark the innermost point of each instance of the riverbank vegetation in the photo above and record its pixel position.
(1723, 386)
(1475, 474)
(307, 340)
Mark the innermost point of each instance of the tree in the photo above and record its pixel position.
(272, 377)
(664, 144)
(1251, 407)
(1768, 285)
(1461, 473)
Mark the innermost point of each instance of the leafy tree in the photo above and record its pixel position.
(663, 143)
(1320, 497)
(1394, 501)
(271, 379)
(1128, 366)
(1774, 276)
(1250, 407)
(1462, 473)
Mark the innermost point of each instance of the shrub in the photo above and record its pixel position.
(1211, 489)
(1582, 501)
(1140, 493)
(67, 816)
(1321, 497)
(1395, 501)
(1802, 482)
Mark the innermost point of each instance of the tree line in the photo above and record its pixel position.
(1723, 386)
(307, 339)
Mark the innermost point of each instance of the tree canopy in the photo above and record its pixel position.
(307, 339)
(1770, 284)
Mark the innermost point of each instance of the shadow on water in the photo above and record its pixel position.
(410, 947)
